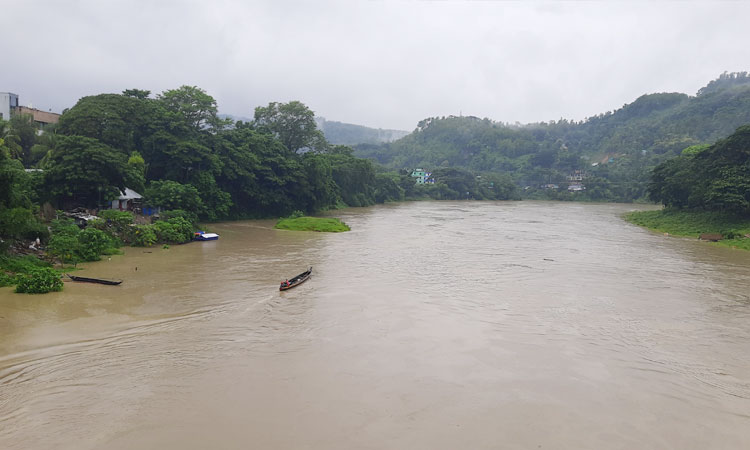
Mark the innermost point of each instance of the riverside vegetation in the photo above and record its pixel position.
(177, 151)
(298, 222)
(705, 190)
(734, 229)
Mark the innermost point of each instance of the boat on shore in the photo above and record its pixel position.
(296, 281)
(203, 236)
(93, 280)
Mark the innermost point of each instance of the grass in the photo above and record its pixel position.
(305, 223)
(694, 223)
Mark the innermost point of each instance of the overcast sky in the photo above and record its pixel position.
(379, 64)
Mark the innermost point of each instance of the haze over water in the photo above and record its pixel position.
(439, 325)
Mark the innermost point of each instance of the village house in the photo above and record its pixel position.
(423, 177)
(128, 201)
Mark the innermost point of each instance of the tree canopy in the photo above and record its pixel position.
(293, 123)
(713, 178)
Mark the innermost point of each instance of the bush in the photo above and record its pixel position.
(64, 246)
(114, 215)
(119, 220)
(9, 279)
(64, 225)
(99, 224)
(39, 281)
(92, 243)
(13, 268)
(21, 263)
(175, 213)
(327, 224)
(144, 236)
(176, 230)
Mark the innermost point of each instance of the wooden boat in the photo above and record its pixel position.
(296, 281)
(93, 280)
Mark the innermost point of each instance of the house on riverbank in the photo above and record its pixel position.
(129, 200)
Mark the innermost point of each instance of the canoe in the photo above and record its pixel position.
(93, 280)
(296, 281)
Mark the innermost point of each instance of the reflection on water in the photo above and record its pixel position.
(430, 325)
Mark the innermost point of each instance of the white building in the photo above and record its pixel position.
(8, 101)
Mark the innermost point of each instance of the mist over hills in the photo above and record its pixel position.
(620, 146)
(652, 124)
(340, 133)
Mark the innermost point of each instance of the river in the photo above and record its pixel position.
(431, 325)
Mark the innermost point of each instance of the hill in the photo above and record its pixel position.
(339, 133)
(615, 151)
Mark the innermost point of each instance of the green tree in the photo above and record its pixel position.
(293, 123)
(137, 171)
(136, 93)
(24, 134)
(198, 109)
(715, 178)
(91, 244)
(169, 194)
(84, 171)
(64, 246)
(387, 188)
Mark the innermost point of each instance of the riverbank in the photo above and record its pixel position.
(734, 230)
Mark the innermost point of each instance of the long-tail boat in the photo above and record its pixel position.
(93, 280)
(296, 281)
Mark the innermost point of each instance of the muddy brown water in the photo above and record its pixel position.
(431, 325)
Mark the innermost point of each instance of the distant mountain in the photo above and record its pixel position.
(236, 118)
(620, 147)
(340, 133)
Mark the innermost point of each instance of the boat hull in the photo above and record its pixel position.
(94, 280)
(296, 281)
(203, 236)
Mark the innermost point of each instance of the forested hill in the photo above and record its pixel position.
(339, 133)
(624, 144)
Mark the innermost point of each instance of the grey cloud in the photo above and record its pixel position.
(384, 65)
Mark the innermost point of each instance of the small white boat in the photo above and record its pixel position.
(203, 236)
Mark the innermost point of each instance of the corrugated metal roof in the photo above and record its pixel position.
(129, 194)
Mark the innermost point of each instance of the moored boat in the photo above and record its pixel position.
(93, 280)
(203, 236)
(296, 281)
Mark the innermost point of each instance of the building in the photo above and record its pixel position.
(8, 102)
(575, 187)
(9, 105)
(423, 177)
(128, 201)
(577, 175)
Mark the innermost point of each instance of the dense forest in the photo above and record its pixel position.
(709, 178)
(181, 155)
(614, 151)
